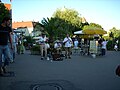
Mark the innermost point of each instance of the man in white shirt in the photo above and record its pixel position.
(43, 45)
(68, 43)
(104, 43)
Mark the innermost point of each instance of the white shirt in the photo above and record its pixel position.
(68, 42)
(115, 47)
(57, 45)
(76, 43)
(104, 43)
(42, 40)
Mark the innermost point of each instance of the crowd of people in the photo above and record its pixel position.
(10, 44)
(68, 44)
(43, 41)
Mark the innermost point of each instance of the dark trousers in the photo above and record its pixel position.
(103, 52)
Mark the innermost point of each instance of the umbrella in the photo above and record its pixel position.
(78, 32)
(82, 35)
(94, 31)
(57, 41)
(36, 37)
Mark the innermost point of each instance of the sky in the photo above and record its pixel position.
(103, 12)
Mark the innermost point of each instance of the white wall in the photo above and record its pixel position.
(30, 30)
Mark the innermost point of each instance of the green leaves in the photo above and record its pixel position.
(3, 12)
(63, 21)
(68, 15)
(115, 32)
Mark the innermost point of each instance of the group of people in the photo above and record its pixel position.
(43, 41)
(8, 48)
(68, 44)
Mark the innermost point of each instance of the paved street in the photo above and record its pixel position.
(78, 73)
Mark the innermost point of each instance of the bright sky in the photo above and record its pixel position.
(103, 12)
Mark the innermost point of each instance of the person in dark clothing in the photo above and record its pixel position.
(4, 49)
(117, 71)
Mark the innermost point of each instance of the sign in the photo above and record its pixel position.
(93, 46)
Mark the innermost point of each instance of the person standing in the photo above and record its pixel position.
(103, 48)
(14, 43)
(43, 45)
(68, 44)
(4, 49)
(76, 45)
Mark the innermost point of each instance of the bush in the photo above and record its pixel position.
(35, 50)
(109, 45)
(29, 41)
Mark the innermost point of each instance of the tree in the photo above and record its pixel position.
(49, 25)
(115, 32)
(62, 22)
(4, 12)
(111, 35)
(38, 28)
(70, 17)
(95, 25)
(92, 26)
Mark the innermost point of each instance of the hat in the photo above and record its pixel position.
(57, 41)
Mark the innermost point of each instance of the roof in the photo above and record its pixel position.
(8, 6)
(27, 24)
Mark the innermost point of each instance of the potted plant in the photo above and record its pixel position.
(35, 50)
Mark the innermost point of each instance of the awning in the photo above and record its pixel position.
(78, 32)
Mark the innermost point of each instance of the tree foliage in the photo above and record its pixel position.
(70, 16)
(38, 28)
(62, 22)
(95, 25)
(115, 32)
(4, 12)
(49, 25)
(92, 26)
